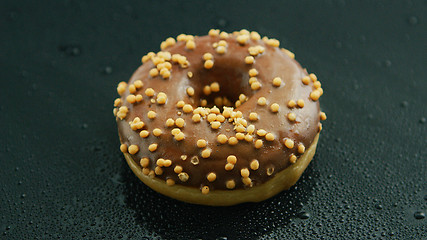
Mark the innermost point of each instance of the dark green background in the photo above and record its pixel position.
(62, 175)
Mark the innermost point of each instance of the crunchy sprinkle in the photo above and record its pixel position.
(244, 172)
(269, 137)
(277, 82)
(205, 189)
(213, 32)
(187, 108)
(117, 102)
(152, 147)
(201, 143)
(254, 165)
(222, 138)
(300, 103)
(305, 80)
(138, 84)
(138, 98)
(151, 114)
(195, 160)
(289, 143)
(242, 39)
(322, 116)
(252, 80)
(211, 177)
(249, 60)
(196, 118)
(223, 35)
(121, 87)
(229, 166)
(233, 141)
(274, 107)
(207, 56)
(144, 133)
(270, 171)
(170, 122)
(230, 184)
(258, 143)
(221, 50)
(170, 182)
(208, 64)
(247, 181)
(293, 158)
(132, 88)
(240, 136)
(315, 95)
(255, 85)
(255, 36)
(175, 131)
(180, 136)
(215, 87)
(292, 116)
(190, 91)
(144, 162)
(207, 90)
(190, 45)
(206, 153)
(179, 122)
(124, 148)
(158, 171)
(167, 163)
(149, 92)
(232, 159)
(253, 116)
(177, 169)
(161, 98)
(154, 72)
(313, 77)
(261, 132)
(215, 125)
(183, 176)
(131, 98)
(289, 53)
(262, 101)
(253, 72)
(157, 132)
(301, 148)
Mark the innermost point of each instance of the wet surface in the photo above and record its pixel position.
(62, 175)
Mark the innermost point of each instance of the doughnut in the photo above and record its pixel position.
(219, 119)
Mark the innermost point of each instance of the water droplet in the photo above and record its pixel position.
(304, 215)
(222, 22)
(404, 104)
(423, 120)
(70, 50)
(108, 70)
(413, 20)
(419, 215)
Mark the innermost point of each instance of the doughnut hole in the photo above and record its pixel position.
(233, 82)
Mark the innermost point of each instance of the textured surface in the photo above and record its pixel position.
(63, 176)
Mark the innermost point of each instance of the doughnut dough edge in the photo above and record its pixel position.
(281, 181)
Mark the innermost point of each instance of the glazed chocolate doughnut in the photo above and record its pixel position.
(219, 119)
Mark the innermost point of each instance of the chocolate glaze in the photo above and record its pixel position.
(231, 72)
